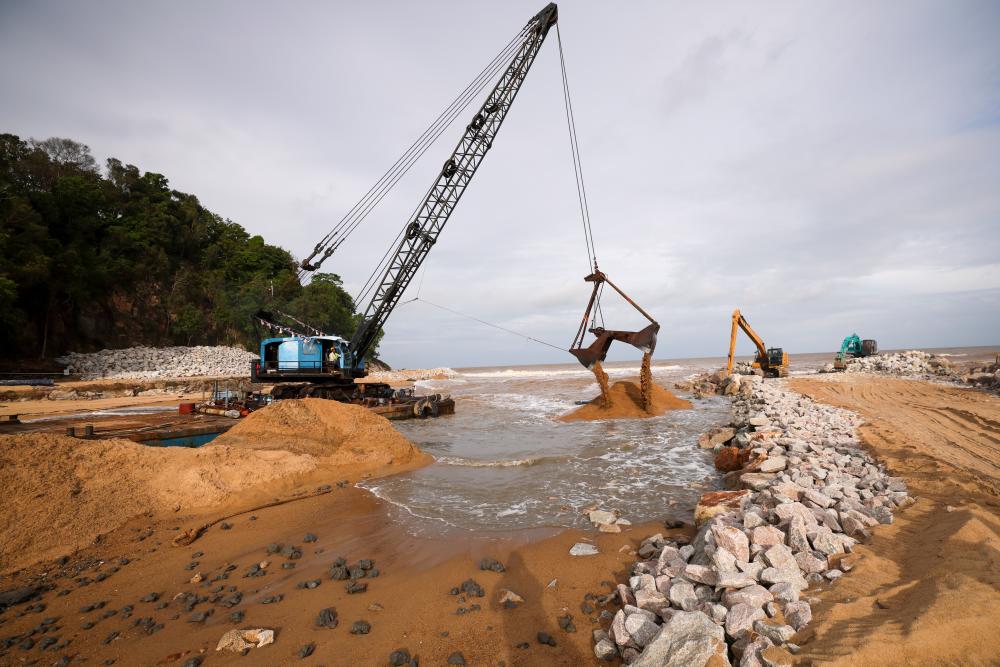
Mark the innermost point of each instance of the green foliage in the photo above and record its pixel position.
(90, 260)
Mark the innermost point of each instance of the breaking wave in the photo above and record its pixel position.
(502, 463)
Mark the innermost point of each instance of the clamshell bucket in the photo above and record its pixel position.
(644, 339)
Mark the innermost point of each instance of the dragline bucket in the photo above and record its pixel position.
(644, 339)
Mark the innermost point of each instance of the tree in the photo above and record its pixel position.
(90, 260)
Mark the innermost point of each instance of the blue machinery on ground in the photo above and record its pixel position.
(853, 346)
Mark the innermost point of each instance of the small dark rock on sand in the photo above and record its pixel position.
(327, 618)
(307, 650)
(356, 587)
(400, 657)
(471, 588)
(566, 623)
(546, 638)
(309, 538)
(360, 628)
(490, 564)
(456, 658)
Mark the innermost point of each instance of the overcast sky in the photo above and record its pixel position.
(828, 167)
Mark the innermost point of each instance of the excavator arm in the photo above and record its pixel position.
(740, 322)
(422, 232)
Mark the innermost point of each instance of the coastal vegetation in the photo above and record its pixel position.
(93, 258)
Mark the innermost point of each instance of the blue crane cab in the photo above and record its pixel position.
(306, 357)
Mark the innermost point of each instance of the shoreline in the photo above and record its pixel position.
(812, 491)
(412, 591)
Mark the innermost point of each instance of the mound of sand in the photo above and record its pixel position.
(339, 434)
(60, 492)
(624, 401)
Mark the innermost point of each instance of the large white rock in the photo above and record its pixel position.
(688, 639)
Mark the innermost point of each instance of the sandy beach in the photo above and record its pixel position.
(933, 570)
(926, 589)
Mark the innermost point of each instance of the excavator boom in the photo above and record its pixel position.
(773, 361)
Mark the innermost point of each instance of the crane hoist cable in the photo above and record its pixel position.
(645, 339)
(361, 209)
(581, 188)
(481, 321)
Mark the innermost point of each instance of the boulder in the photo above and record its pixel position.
(740, 619)
(583, 549)
(641, 629)
(733, 540)
(754, 596)
(682, 595)
(651, 599)
(715, 503)
(798, 614)
(605, 650)
(767, 536)
(688, 639)
(773, 464)
(716, 436)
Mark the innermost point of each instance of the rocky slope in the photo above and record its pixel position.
(737, 593)
(157, 363)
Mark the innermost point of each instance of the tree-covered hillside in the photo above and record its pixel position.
(91, 260)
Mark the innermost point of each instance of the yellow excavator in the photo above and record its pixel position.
(773, 361)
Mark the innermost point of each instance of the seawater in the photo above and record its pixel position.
(505, 462)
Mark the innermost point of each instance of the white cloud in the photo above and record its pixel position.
(827, 167)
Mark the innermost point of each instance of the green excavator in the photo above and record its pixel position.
(854, 347)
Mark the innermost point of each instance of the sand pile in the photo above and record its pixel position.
(624, 401)
(338, 434)
(60, 492)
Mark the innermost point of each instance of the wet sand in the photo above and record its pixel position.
(412, 591)
(926, 589)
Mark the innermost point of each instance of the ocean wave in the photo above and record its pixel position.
(381, 495)
(512, 373)
(528, 403)
(502, 463)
